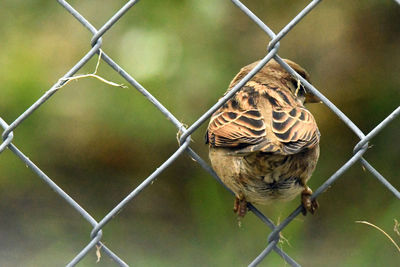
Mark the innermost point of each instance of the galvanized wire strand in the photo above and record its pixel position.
(119, 69)
(145, 93)
(60, 192)
(140, 187)
(378, 128)
(6, 139)
(293, 22)
(66, 197)
(317, 192)
(275, 41)
(281, 34)
(273, 246)
(285, 257)
(253, 209)
(84, 251)
(78, 16)
(253, 17)
(226, 97)
(52, 90)
(380, 178)
(96, 241)
(241, 83)
(339, 172)
(263, 254)
(96, 41)
(113, 20)
(112, 255)
(53, 185)
(97, 33)
(207, 167)
(325, 100)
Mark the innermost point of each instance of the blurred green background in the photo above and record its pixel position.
(99, 142)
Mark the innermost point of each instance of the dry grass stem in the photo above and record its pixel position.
(396, 227)
(282, 238)
(98, 254)
(180, 132)
(388, 236)
(64, 81)
(298, 87)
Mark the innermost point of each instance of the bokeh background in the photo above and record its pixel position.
(99, 142)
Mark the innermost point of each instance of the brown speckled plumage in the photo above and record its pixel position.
(264, 144)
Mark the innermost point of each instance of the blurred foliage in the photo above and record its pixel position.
(99, 142)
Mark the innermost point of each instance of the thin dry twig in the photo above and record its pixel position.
(376, 227)
(396, 227)
(64, 81)
(98, 253)
(298, 87)
(180, 132)
(282, 238)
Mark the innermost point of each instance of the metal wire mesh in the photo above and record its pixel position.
(186, 132)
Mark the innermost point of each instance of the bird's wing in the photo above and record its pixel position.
(239, 122)
(295, 128)
(240, 125)
(235, 128)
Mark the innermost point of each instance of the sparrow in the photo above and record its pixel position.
(263, 142)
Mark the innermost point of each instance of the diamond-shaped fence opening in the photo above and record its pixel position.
(185, 132)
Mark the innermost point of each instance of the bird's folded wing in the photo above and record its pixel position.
(236, 128)
(295, 128)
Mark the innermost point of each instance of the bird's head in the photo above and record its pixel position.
(274, 71)
(296, 87)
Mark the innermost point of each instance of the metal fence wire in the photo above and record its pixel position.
(96, 42)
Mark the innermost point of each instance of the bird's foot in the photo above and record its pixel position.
(310, 205)
(240, 206)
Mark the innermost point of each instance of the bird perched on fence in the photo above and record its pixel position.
(264, 145)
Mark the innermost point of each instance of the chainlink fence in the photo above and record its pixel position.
(185, 132)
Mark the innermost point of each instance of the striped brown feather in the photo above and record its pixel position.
(238, 123)
(236, 128)
(295, 128)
